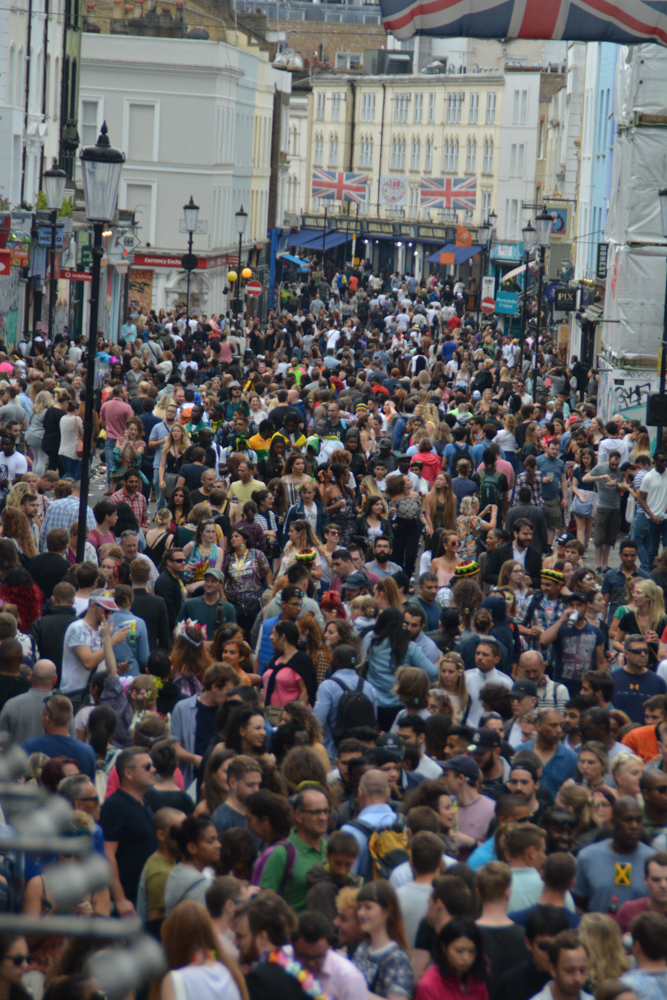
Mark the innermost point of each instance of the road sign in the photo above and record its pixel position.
(189, 261)
(86, 255)
(254, 288)
(5, 261)
(488, 306)
(75, 276)
(488, 286)
(202, 227)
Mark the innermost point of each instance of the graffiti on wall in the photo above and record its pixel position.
(625, 391)
(9, 306)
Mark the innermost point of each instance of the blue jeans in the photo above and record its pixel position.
(161, 498)
(639, 533)
(109, 445)
(73, 467)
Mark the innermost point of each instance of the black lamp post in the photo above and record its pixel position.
(54, 187)
(241, 223)
(543, 224)
(191, 212)
(101, 167)
(529, 236)
(485, 235)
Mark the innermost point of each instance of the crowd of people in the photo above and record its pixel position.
(345, 689)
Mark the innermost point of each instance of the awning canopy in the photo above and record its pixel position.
(293, 260)
(319, 241)
(461, 254)
(301, 238)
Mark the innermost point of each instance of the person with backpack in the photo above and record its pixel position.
(494, 485)
(375, 819)
(344, 699)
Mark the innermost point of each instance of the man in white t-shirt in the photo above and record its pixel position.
(83, 650)
(12, 463)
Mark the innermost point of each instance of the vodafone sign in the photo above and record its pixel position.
(5, 261)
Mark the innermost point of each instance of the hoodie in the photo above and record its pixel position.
(323, 887)
(502, 630)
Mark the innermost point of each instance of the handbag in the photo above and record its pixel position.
(582, 508)
(170, 480)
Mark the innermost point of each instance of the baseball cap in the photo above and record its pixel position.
(355, 581)
(385, 442)
(564, 538)
(577, 595)
(103, 599)
(462, 765)
(234, 385)
(484, 739)
(385, 755)
(390, 741)
(215, 573)
(476, 394)
(524, 688)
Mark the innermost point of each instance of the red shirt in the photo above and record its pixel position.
(432, 986)
(431, 464)
(116, 413)
(627, 912)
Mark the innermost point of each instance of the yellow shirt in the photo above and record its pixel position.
(242, 492)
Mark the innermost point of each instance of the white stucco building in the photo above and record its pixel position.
(194, 117)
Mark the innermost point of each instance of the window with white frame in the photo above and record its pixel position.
(490, 109)
(416, 153)
(333, 150)
(401, 107)
(89, 119)
(397, 153)
(414, 201)
(368, 108)
(431, 108)
(540, 140)
(349, 60)
(335, 107)
(486, 204)
(454, 105)
(419, 108)
(471, 155)
(513, 219)
(428, 158)
(451, 158)
(523, 109)
(366, 151)
(319, 150)
(321, 103)
(473, 109)
(487, 165)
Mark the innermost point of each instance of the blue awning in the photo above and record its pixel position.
(461, 254)
(301, 238)
(333, 238)
(293, 260)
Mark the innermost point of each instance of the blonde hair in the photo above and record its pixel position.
(656, 600)
(606, 956)
(43, 402)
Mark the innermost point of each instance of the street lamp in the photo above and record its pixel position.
(241, 223)
(529, 236)
(191, 213)
(485, 234)
(101, 166)
(54, 186)
(660, 423)
(543, 224)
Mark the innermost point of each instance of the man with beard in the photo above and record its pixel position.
(381, 564)
(524, 782)
(485, 748)
(262, 927)
(571, 716)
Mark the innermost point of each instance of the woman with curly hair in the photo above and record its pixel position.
(189, 660)
(16, 527)
(331, 607)
(20, 589)
(303, 718)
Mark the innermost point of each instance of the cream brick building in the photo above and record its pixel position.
(408, 127)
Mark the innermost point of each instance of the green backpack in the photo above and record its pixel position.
(489, 489)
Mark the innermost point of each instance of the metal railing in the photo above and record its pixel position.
(295, 10)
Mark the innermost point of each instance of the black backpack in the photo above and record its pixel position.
(460, 453)
(354, 709)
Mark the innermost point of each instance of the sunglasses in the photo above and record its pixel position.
(143, 767)
(19, 960)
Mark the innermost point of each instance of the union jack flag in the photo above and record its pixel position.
(622, 21)
(337, 185)
(448, 192)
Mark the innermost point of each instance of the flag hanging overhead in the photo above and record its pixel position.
(336, 185)
(448, 192)
(620, 21)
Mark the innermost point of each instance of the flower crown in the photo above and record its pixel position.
(182, 627)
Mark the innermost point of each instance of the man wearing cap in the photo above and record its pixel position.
(523, 697)
(485, 671)
(578, 645)
(386, 454)
(460, 777)
(85, 646)
(485, 749)
(211, 610)
(355, 585)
